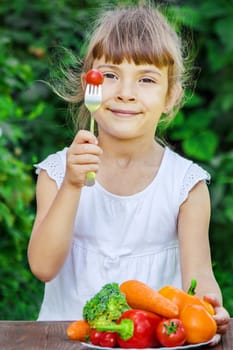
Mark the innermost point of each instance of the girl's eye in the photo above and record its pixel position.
(110, 75)
(147, 80)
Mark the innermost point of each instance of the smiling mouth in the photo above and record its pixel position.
(124, 113)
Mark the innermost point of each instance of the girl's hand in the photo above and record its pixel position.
(221, 316)
(82, 157)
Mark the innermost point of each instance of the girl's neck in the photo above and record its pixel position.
(128, 167)
(129, 150)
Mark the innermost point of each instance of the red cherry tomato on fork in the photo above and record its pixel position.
(171, 332)
(94, 77)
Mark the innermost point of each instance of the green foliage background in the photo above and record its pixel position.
(34, 123)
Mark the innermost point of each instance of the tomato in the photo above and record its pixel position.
(95, 336)
(199, 325)
(105, 339)
(94, 77)
(171, 332)
(108, 339)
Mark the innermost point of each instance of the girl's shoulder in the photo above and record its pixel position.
(184, 173)
(55, 165)
(183, 165)
(175, 159)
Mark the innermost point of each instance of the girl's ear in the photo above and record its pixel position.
(83, 81)
(174, 96)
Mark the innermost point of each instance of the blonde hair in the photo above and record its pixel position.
(136, 33)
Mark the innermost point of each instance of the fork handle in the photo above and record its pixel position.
(92, 125)
(90, 177)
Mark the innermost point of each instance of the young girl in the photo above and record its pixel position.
(147, 215)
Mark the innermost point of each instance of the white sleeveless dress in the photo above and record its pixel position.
(117, 238)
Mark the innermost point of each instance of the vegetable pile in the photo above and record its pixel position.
(133, 315)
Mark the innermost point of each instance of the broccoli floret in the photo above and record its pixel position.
(106, 306)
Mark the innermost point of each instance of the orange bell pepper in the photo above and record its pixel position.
(182, 298)
(199, 325)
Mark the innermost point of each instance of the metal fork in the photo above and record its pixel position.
(92, 100)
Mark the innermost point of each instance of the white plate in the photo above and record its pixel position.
(183, 347)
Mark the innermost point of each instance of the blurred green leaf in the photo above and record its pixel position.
(201, 146)
(224, 28)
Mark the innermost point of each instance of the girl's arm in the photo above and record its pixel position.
(193, 228)
(53, 228)
(56, 208)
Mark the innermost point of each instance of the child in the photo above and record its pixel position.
(147, 215)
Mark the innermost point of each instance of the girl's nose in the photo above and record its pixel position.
(126, 93)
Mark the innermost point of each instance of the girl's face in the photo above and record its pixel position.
(134, 97)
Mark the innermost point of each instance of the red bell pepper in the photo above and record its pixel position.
(135, 329)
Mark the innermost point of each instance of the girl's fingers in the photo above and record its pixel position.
(216, 340)
(222, 319)
(222, 329)
(85, 136)
(84, 159)
(84, 148)
(221, 316)
(84, 143)
(212, 299)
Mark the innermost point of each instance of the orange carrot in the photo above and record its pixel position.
(140, 296)
(78, 330)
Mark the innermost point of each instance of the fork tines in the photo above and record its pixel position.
(93, 97)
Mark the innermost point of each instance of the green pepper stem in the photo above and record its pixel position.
(125, 328)
(191, 290)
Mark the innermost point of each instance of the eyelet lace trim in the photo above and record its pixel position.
(194, 174)
(53, 165)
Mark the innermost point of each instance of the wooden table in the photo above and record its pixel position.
(32, 335)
